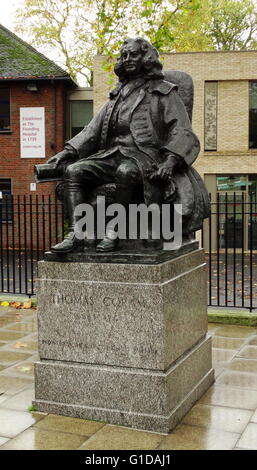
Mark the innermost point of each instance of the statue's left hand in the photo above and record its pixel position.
(165, 173)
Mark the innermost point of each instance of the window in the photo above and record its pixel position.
(253, 115)
(232, 183)
(210, 115)
(5, 110)
(81, 113)
(5, 200)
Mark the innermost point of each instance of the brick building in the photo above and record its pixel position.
(33, 103)
(224, 119)
(33, 94)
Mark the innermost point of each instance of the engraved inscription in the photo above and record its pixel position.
(136, 349)
(69, 344)
(107, 301)
(128, 301)
(69, 299)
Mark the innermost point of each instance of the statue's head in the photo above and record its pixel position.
(138, 57)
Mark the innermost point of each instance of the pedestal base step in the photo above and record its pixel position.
(156, 423)
(158, 399)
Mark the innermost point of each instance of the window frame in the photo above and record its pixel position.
(70, 103)
(249, 84)
(7, 131)
(8, 192)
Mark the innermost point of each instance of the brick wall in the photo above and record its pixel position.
(25, 231)
(21, 170)
(232, 70)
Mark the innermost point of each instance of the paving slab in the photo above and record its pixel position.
(119, 438)
(81, 427)
(231, 397)
(21, 401)
(248, 439)
(199, 438)
(12, 385)
(218, 417)
(13, 422)
(39, 439)
(225, 417)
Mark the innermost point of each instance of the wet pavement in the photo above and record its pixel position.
(225, 418)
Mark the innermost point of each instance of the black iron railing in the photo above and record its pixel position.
(230, 241)
(29, 225)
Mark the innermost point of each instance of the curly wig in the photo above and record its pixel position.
(152, 67)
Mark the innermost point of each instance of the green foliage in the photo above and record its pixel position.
(80, 29)
(233, 25)
(32, 408)
(217, 25)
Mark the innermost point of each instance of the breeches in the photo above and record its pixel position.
(115, 169)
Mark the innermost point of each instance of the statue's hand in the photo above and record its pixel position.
(165, 173)
(59, 157)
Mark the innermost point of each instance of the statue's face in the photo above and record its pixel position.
(131, 57)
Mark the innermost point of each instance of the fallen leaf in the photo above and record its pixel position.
(5, 304)
(15, 304)
(19, 345)
(27, 304)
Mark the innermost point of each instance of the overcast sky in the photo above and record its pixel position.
(7, 10)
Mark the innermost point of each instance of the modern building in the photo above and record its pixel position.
(224, 119)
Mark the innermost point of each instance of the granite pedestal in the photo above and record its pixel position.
(123, 343)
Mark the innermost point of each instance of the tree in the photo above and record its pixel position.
(78, 30)
(160, 18)
(189, 30)
(233, 25)
(217, 25)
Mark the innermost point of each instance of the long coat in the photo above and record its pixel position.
(160, 126)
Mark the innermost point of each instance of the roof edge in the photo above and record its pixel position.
(33, 78)
(26, 44)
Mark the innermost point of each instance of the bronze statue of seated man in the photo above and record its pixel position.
(141, 138)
